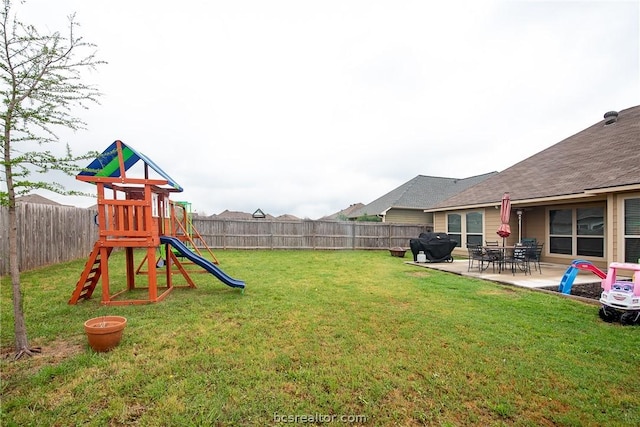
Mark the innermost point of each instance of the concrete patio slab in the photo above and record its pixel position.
(550, 275)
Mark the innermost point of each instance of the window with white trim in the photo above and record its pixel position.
(467, 231)
(454, 228)
(474, 228)
(577, 231)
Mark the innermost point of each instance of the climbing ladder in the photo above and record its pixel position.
(91, 273)
(183, 229)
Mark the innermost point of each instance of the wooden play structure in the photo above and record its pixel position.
(136, 213)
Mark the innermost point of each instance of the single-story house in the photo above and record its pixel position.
(407, 203)
(579, 197)
(344, 214)
(36, 199)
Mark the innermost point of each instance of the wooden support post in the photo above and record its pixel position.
(168, 265)
(104, 271)
(131, 280)
(153, 277)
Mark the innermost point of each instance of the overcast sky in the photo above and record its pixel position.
(306, 107)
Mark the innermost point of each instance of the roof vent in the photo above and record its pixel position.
(610, 117)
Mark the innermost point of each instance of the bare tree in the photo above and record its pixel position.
(41, 88)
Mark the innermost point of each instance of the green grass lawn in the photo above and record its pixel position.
(325, 336)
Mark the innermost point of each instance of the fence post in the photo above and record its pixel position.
(353, 235)
(271, 233)
(224, 234)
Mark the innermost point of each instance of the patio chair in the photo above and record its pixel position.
(518, 260)
(477, 254)
(534, 253)
(496, 254)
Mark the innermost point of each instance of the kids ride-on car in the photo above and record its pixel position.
(621, 298)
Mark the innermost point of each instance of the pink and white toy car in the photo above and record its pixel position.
(621, 298)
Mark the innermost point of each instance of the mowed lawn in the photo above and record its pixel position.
(320, 338)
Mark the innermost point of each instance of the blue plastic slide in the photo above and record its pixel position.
(570, 275)
(567, 280)
(202, 262)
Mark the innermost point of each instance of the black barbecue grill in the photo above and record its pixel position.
(437, 247)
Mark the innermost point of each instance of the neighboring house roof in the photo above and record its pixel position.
(37, 199)
(421, 192)
(344, 213)
(287, 217)
(603, 156)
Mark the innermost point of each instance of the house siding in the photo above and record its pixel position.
(491, 224)
(440, 222)
(614, 224)
(408, 216)
(534, 226)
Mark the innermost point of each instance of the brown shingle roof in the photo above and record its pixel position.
(600, 156)
(37, 199)
(421, 192)
(344, 213)
(287, 217)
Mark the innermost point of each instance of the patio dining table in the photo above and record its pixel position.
(505, 253)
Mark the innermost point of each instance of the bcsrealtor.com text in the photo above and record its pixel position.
(318, 418)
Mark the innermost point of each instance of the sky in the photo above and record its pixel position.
(306, 107)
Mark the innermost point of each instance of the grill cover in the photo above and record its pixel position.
(436, 246)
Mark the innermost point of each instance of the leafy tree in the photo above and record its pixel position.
(41, 87)
(369, 218)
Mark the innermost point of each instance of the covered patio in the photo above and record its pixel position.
(549, 278)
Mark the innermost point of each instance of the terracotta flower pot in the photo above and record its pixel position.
(104, 332)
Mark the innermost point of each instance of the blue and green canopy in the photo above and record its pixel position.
(108, 164)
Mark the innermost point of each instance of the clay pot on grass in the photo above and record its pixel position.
(105, 332)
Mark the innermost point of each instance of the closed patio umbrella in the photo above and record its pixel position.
(504, 230)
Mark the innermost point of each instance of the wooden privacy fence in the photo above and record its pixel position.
(305, 234)
(50, 234)
(47, 234)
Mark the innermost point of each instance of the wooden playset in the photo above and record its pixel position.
(136, 213)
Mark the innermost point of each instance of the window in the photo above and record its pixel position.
(577, 232)
(560, 231)
(632, 230)
(467, 232)
(590, 231)
(454, 228)
(474, 228)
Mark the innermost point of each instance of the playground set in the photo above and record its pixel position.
(137, 213)
(620, 298)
